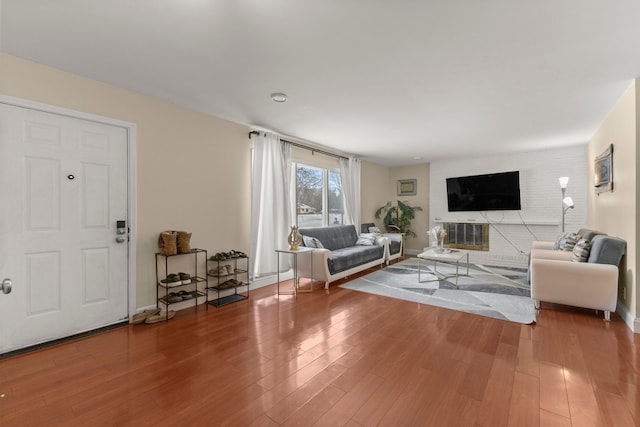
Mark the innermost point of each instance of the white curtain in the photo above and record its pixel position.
(350, 175)
(270, 204)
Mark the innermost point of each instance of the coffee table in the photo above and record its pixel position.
(453, 255)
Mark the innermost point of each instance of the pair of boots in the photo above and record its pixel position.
(174, 242)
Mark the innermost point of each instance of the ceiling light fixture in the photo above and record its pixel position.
(279, 97)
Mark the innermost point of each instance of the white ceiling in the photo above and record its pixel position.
(384, 80)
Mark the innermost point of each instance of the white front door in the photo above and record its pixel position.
(63, 187)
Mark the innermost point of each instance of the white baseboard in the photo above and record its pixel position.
(255, 284)
(270, 280)
(632, 322)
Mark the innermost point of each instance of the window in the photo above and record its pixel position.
(319, 199)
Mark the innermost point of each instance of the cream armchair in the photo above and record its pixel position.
(592, 284)
(394, 249)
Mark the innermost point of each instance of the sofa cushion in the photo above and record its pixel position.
(346, 258)
(581, 251)
(332, 238)
(394, 247)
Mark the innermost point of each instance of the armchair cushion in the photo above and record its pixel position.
(585, 233)
(607, 249)
(367, 226)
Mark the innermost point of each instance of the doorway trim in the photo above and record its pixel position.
(131, 175)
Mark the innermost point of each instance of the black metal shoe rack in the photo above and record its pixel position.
(196, 277)
(228, 294)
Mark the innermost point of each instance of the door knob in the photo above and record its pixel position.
(5, 286)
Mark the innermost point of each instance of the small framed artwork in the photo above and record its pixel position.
(407, 187)
(603, 171)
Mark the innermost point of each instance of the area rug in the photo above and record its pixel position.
(498, 292)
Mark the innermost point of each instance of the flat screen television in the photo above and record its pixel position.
(490, 192)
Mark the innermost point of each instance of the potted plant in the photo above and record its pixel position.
(397, 218)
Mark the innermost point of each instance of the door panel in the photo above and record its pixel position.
(95, 275)
(66, 180)
(43, 283)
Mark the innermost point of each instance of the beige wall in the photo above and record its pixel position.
(616, 212)
(420, 225)
(193, 170)
(374, 190)
(379, 186)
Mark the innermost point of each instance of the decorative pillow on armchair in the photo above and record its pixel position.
(568, 242)
(375, 230)
(581, 251)
(559, 240)
(366, 239)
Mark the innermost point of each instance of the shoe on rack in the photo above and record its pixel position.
(220, 256)
(172, 280)
(225, 284)
(185, 295)
(173, 297)
(219, 272)
(185, 278)
(238, 254)
(160, 317)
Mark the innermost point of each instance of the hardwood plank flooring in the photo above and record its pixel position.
(329, 358)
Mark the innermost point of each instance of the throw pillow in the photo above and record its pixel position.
(581, 251)
(559, 241)
(375, 230)
(569, 242)
(366, 239)
(312, 242)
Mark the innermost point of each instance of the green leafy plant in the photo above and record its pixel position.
(397, 218)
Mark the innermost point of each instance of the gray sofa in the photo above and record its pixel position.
(339, 255)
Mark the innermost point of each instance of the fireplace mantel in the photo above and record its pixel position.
(505, 222)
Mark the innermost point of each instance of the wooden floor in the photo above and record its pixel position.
(333, 358)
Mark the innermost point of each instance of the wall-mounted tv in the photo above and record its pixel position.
(490, 192)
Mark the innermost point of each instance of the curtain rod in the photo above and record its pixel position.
(295, 144)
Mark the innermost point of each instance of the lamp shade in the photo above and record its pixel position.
(564, 181)
(568, 202)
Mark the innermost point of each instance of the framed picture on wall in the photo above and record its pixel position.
(603, 171)
(407, 187)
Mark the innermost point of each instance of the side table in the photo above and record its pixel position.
(296, 279)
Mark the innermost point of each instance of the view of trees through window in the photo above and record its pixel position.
(319, 198)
